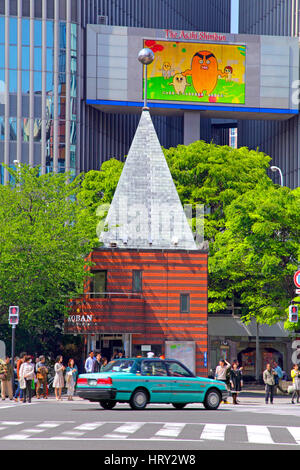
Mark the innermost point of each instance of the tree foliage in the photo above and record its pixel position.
(258, 252)
(251, 224)
(43, 245)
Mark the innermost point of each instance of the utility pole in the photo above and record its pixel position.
(257, 358)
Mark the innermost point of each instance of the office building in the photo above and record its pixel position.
(279, 139)
(44, 117)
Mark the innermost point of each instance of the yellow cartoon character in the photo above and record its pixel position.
(179, 83)
(204, 71)
(228, 71)
(166, 70)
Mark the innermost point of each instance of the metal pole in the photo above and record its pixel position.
(146, 57)
(257, 371)
(281, 177)
(276, 168)
(145, 87)
(13, 355)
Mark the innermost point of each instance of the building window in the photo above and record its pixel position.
(98, 284)
(184, 303)
(137, 280)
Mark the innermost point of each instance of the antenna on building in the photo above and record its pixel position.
(146, 57)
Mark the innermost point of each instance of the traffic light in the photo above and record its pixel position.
(293, 313)
(13, 317)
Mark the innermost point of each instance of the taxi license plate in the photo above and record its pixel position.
(93, 382)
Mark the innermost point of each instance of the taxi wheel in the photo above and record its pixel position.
(179, 406)
(212, 399)
(139, 399)
(107, 404)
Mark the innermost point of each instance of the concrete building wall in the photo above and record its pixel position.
(108, 135)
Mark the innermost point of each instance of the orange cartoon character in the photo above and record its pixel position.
(204, 71)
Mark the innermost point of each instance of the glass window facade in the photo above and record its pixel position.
(2, 29)
(43, 134)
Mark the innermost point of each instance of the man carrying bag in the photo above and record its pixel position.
(41, 375)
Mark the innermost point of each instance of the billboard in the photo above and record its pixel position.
(196, 72)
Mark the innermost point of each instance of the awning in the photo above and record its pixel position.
(229, 326)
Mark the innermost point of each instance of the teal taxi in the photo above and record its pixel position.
(139, 381)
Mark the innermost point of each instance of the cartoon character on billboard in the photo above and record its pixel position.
(179, 83)
(166, 70)
(228, 71)
(204, 72)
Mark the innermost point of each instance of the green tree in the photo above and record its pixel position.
(203, 173)
(214, 176)
(43, 247)
(222, 178)
(257, 254)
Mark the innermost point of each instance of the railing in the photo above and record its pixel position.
(108, 295)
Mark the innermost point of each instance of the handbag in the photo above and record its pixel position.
(68, 377)
(22, 382)
(291, 388)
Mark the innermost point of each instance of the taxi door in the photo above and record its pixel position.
(185, 387)
(154, 377)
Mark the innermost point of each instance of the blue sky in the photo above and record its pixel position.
(234, 16)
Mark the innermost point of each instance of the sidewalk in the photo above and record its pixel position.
(255, 394)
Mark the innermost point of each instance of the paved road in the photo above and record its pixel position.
(48, 424)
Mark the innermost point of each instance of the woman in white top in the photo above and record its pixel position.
(58, 382)
(27, 373)
(221, 372)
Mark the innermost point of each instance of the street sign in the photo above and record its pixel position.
(13, 317)
(297, 279)
(297, 291)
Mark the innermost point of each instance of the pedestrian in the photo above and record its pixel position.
(27, 373)
(221, 370)
(97, 364)
(19, 392)
(41, 374)
(6, 376)
(89, 363)
(71, 377)
(6, 382)
(269, 380)
(295, 374)
(236, 382)
(235, 361)
(104, 363)
(221, 373)
(278, 378)
(58, 382)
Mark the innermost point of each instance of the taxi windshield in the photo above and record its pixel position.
(120, 365)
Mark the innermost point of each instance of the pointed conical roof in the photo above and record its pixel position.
(146, 211)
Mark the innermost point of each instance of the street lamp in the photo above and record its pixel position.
(146, 57)
(275, 168)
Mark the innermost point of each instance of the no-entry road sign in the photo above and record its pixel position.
(297, 278)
